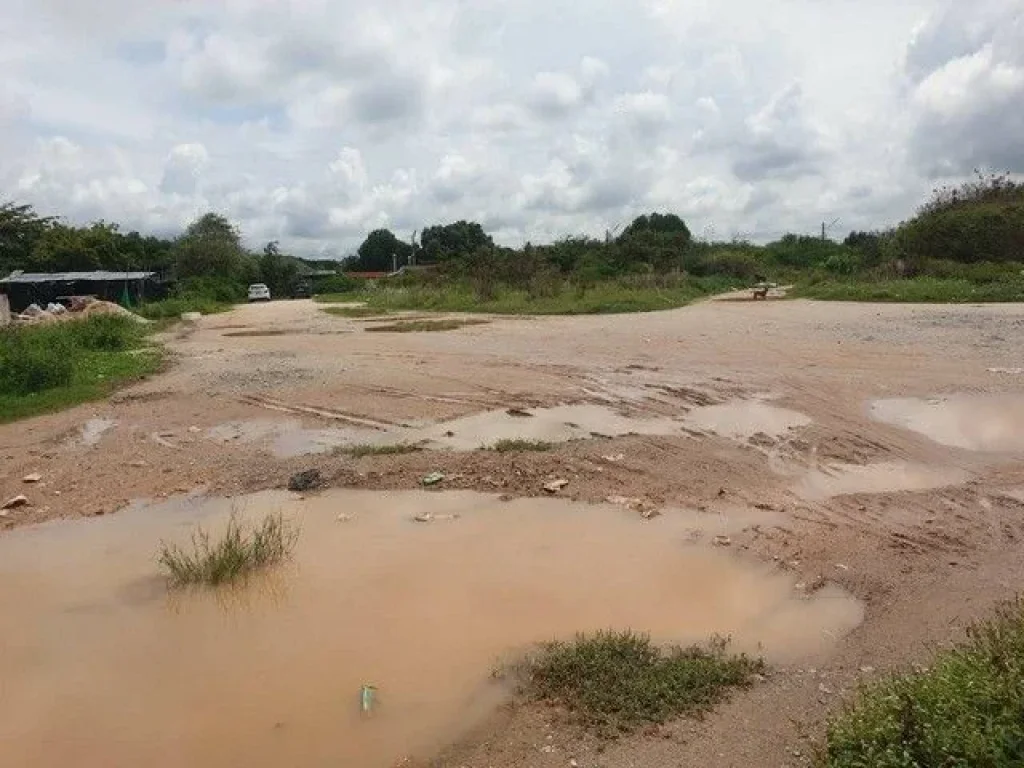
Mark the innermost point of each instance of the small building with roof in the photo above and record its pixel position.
(25, 288)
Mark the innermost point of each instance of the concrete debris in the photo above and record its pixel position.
(194, 430)
(80, 307)
(308, 480)
(17, 501)
(159, 440)
(615, 458)
(555, 485)
(867, 670)
(35, 477)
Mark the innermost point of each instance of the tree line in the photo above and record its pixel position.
(979, 222)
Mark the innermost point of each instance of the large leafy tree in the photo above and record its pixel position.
(20, 230)
(278, 271)
(658, 223)
(210, 247)
(379, 252)
(452, 241)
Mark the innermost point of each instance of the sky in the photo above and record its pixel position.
(313, 122)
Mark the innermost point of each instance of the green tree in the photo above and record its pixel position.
(379, 251)
(20, 229)
(210, 247)
(452, 241)
(278, 271)
(658, 223)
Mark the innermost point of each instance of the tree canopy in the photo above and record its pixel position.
(452, 241)
(379, 251)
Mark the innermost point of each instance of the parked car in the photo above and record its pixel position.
(303, 290)
(259, 292)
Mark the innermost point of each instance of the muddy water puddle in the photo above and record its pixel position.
(739, 419)
(885, 477)
(100, 667)
(974, 422)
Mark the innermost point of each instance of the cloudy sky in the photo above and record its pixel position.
(314, 121)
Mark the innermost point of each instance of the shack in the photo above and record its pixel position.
(25, 288)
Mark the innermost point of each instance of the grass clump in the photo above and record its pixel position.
(52, 366)
(237, 553)
(361, 311)
(616, 682)
(421, 326)
(366, 449)
(965, 710)
(518, 445)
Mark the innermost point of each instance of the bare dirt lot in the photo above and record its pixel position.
(874, 449)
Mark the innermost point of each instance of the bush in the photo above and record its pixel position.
(35, 359)
(617, 682)
(110, 333)
(966, 710)
(336, 284)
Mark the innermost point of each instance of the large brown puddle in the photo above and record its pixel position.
(738, 419)
(975, 422)
(100, 667)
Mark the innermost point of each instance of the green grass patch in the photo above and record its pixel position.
(965, 710)
(174, 308)
(521, 446)
(238, 552)
(354, 311)
(423, 326)
(616, 682)
(360, 451)
(46, 368)
(937, 290)
(607, 297)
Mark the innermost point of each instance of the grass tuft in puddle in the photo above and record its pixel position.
(965, 710)
(617, 682)
(240, 551)
(518, 445)
(366, 449)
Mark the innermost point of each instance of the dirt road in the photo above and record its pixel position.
(877, 448)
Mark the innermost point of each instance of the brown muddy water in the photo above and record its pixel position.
(886, 477)
(101, 667)
(974, 422)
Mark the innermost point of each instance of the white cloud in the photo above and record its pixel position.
(313, 122)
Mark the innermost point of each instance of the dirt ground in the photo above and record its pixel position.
(928, 535)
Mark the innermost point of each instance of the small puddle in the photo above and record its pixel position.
(93, 431)
(888, 477)
(289, 439)
(100, 667)
(974, 422)
(742, 419)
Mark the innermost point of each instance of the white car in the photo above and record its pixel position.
(259, 292)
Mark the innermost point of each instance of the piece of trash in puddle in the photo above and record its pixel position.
(722, 541)
(17, 501)
(367, 699)
(343, 518)
(433, 478)
(555, 485)
(35, 477)
(428, 517)
(519, 413)
(307, 480)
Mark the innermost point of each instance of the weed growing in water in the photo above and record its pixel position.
(240, 551)
(616, 682)
(366, 449)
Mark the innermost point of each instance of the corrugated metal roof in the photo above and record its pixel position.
(74, 277)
